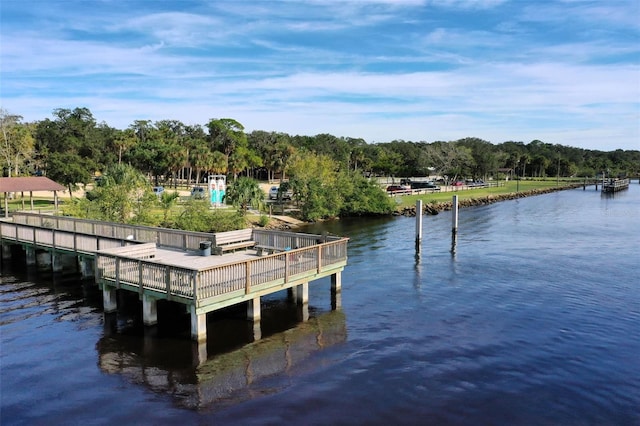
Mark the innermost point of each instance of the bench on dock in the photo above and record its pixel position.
(261, 249)
(232, 240)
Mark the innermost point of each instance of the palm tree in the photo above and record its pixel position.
(167, 201)
(245, 192)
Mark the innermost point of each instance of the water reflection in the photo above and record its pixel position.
(174, 367)
(454, 242)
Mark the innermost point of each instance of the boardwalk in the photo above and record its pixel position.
(167, 264)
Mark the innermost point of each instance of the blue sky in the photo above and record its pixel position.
(561, 71)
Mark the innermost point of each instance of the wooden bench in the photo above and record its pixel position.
(232, 240)
(267, 249)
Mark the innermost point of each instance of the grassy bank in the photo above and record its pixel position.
(512, 187)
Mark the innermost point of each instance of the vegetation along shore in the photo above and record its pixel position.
(435, 207)
(139, 174)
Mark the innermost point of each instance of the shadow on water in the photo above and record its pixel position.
(172, 367)
(225, 369)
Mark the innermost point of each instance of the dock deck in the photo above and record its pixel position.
(166, 264)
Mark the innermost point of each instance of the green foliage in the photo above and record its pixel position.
(168, 200)
(364, 197)
(324, 191)
(197, 216)
(69, 169)
(71, 146)
(81, 208)
(122, 195)
(16, 143)
(244, 192)
(263, 221)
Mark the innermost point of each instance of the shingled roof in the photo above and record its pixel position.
(28, 184)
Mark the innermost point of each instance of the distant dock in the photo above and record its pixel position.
(614, 185)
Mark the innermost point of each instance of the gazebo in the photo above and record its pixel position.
(30, 184)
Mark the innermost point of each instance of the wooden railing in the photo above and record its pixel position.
(217, 281)
(614, 185)
(59, 239)
(183, 240)
(122, 260)
(145, 274)
(292, 240)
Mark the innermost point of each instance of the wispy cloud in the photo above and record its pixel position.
(565, 71)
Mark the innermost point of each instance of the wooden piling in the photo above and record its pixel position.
(418, 223)
(454, 217)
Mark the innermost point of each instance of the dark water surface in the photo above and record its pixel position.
(534, 320)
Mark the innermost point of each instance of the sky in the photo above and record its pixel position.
(561, 71)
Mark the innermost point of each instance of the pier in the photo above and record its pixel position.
(614, 185)
(178, 266)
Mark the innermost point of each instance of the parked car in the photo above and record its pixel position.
(287, 194)
(471, 182)
(425, 185)
(458, 183)
(198, 192)
(158, 190)
(398, 188)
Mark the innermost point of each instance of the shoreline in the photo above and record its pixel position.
(435, 208)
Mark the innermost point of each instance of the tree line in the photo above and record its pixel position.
(71, 147)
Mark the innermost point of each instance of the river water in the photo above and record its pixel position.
(532, 316)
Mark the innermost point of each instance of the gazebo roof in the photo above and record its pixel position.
(27, 184)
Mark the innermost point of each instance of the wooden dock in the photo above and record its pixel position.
(614, 185)
(168, 264)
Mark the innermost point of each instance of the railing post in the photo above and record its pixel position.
(286, 267)
(247, 286)
(167, 277)
(140, 290)
(195, 286)
(117, 272)
(319, 258)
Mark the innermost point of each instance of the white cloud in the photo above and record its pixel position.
(380, 70)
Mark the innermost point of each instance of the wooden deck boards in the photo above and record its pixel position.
(192, 259)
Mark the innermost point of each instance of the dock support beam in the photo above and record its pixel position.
(302, 293)
(336, 282)
(86, 267)
(109, 299)
(199, 352)
(30, 255)
(253, 309)
(6, 251)
(254, 315)
(198, 326)
(149, 310)
(56, 262)
(336, 291)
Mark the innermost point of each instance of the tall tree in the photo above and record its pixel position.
(66, 146)
(226, 135)
(17, 144)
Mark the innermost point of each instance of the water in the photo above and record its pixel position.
(534, 319)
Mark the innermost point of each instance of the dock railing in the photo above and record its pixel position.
(163, 237)
(614, 185)
(124, 259)
(58, 239)
(221, 281)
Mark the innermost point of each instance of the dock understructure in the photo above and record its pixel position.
(160, 263)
